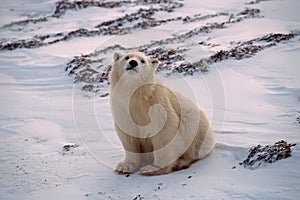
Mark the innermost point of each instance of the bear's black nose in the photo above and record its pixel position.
(133, 63)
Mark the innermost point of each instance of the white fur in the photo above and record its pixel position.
(160, 129)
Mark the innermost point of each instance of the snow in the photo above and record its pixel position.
(249, 102)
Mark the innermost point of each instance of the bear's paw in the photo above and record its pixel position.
(126, 168)
(150, 170)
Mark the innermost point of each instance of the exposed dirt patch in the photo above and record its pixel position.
(141, 19)
(298, 120)
(259, 154)
(93, 69)
(251, 47)
(69, 148)
(61, 7)
(138, 197)
(256, 2)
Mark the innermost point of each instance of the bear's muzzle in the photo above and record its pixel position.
(132, 65)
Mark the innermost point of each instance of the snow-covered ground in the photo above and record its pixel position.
(249, 101)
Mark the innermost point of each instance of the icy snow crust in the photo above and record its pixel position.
(238, 60)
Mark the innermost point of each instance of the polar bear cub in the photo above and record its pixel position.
(161, 130)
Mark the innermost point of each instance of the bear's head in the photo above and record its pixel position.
(135, 66)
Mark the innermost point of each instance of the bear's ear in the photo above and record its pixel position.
(117, 56)
(154, 62)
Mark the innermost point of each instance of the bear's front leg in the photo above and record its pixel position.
(132, 162)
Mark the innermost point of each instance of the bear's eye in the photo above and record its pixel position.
(127, 57)
(143, 61)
